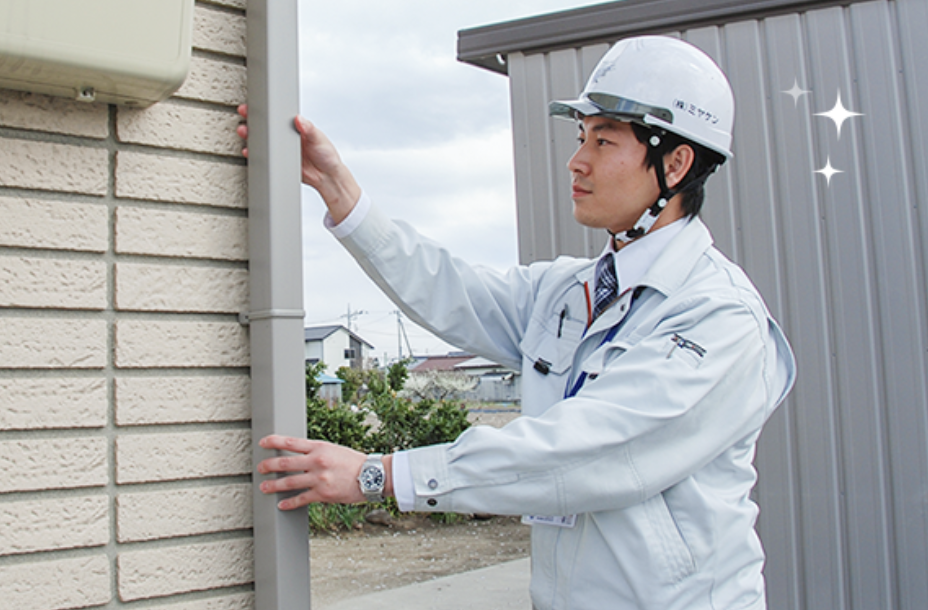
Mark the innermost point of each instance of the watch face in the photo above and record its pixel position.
(371, 478)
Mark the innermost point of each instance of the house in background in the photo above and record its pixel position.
(336, 346)
(495, 382)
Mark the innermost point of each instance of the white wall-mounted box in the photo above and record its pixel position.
(133, 52)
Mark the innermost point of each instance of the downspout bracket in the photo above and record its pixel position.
(246, 317)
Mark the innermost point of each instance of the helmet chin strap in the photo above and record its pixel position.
(649, 217)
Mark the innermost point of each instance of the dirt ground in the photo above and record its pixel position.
(413, 549)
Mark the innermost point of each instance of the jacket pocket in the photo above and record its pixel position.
(676, 559)
(551, 350)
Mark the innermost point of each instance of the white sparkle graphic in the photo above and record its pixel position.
(838, 114)
(796, 92)
(828, 171)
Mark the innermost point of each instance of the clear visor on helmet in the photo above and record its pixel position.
(609, 105)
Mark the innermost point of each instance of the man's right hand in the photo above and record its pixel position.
(321, 167)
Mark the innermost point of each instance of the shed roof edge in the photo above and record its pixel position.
(483, 46)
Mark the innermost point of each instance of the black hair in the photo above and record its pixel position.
(705, 161)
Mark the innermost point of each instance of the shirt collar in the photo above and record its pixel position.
(634, 260)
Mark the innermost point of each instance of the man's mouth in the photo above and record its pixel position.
(579, 191)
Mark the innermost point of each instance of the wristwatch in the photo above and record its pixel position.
(372, 478)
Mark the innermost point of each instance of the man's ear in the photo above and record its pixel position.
(677, 163)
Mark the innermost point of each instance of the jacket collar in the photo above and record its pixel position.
(667, 274)
(673, 265)
(676, 262)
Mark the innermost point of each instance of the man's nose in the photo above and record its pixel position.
(577, 162)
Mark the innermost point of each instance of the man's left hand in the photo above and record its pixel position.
(328, 473)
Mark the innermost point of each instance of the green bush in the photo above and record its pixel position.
(404, 424)
(353, 383)
(337, 423)
(397, 374)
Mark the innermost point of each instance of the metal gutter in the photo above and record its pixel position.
(278, 390)
(487, 46)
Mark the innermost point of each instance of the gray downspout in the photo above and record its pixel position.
(278, 389)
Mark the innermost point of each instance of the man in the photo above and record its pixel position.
(647, 375)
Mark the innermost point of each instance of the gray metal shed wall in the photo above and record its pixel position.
(843, 465)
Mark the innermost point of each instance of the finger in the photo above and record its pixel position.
(296, 481)
(287, 443)
(242, 131)
(243, 110)
(303, 499)
(245, 152)
(274, 465)
(307, 130)
(286, 463)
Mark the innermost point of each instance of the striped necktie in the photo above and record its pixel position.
(607, 286)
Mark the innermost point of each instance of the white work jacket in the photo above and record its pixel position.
(650, 460)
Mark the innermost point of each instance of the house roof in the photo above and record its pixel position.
(478, 362)
(440, 363)
(318, 333)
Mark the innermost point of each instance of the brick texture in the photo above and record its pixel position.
(183, 512)
(158, 178)
(56, 225)
(175, 400)
(141, 287)
(47, 525)
(53, 167)
(79, 582)
(32, 404)
(181, 234)
(167, 571)
(53, 114)
(50, 343)
(219, 31)
(52, 283)
(58, 463)
(215, 81)
(238, 601)
(145, 458)
(181, 127)
(123, 368)
(157, 344)
(230, 3)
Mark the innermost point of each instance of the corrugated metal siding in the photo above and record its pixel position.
(844, 464)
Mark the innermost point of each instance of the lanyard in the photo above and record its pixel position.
(571, 390)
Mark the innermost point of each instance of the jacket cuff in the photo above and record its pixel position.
(431, 478)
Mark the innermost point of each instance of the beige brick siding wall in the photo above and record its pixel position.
(125, 443)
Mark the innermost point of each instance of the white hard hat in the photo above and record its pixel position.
(662, 82)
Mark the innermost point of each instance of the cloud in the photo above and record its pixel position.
(377, 79)
(428, 138)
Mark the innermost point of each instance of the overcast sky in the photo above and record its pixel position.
(427, 137)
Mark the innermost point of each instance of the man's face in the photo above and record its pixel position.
(611, 185)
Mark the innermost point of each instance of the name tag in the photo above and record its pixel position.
(565, 521)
